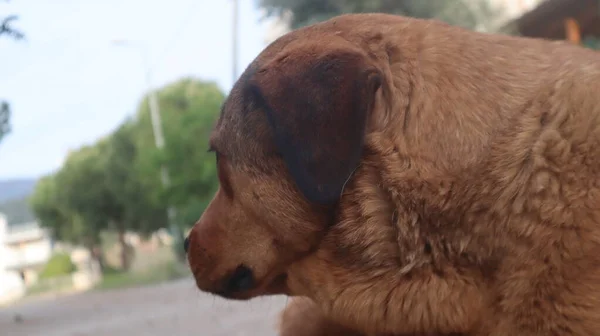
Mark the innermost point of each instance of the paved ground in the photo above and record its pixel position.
(170, 309)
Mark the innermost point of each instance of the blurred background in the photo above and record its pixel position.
(105, 111)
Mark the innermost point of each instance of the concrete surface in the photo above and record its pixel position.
(171, 309)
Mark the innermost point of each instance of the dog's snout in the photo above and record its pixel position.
(186, 244)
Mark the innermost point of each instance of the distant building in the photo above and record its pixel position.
(24, 250)
(571, 20)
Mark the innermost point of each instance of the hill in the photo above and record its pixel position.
(17, 211)
(13, 200)
(16, 189)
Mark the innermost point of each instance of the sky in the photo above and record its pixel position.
(69, 84)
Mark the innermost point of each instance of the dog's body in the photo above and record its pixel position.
(461, 192)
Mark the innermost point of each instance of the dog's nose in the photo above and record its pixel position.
(241, 280)
(186, 243)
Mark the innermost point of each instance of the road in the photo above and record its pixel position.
(171, 309)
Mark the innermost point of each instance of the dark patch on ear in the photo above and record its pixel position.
(317, 108)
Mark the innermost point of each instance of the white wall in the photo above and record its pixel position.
(11, 284)
(32, 252)
(3, 230)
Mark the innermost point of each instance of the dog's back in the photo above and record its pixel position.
(503, 139)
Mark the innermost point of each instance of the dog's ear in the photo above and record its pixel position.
(317, 107)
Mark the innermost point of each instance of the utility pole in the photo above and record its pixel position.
(235, 40)
(159, 139)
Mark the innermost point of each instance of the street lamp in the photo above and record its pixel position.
(234, 40)
(157, 130)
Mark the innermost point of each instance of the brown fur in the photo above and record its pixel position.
(302, 317)
(473, 205)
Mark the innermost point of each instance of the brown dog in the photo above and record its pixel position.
(411, 177)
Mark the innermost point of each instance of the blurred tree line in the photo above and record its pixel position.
(114, 184)
(473, 14)
(591, 42)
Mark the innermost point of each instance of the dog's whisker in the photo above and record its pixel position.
(348, 179)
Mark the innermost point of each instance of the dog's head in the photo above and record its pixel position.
(289, 137)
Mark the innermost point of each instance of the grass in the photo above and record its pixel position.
(147, 268)
(163, 272)
(57, 284)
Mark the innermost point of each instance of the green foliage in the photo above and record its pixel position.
(163, 272)
(97, 189)
(189, 109)
(59, 264)
(591, 42)
(129, 206)
(54, 214)
(82, 195)
(115, 183)
(466, 13)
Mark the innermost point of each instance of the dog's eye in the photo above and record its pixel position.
(211, 149)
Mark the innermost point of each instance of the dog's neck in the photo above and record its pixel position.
(409, 236)
(396, 243)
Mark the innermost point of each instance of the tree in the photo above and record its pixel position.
(189, 109)
(474, 14)
(7, 30)
(4, 119)
(78, 196)
(73, 203)
(98, 188)
(50, 208)
(45, 205)
(115, 185)
(128, 208)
